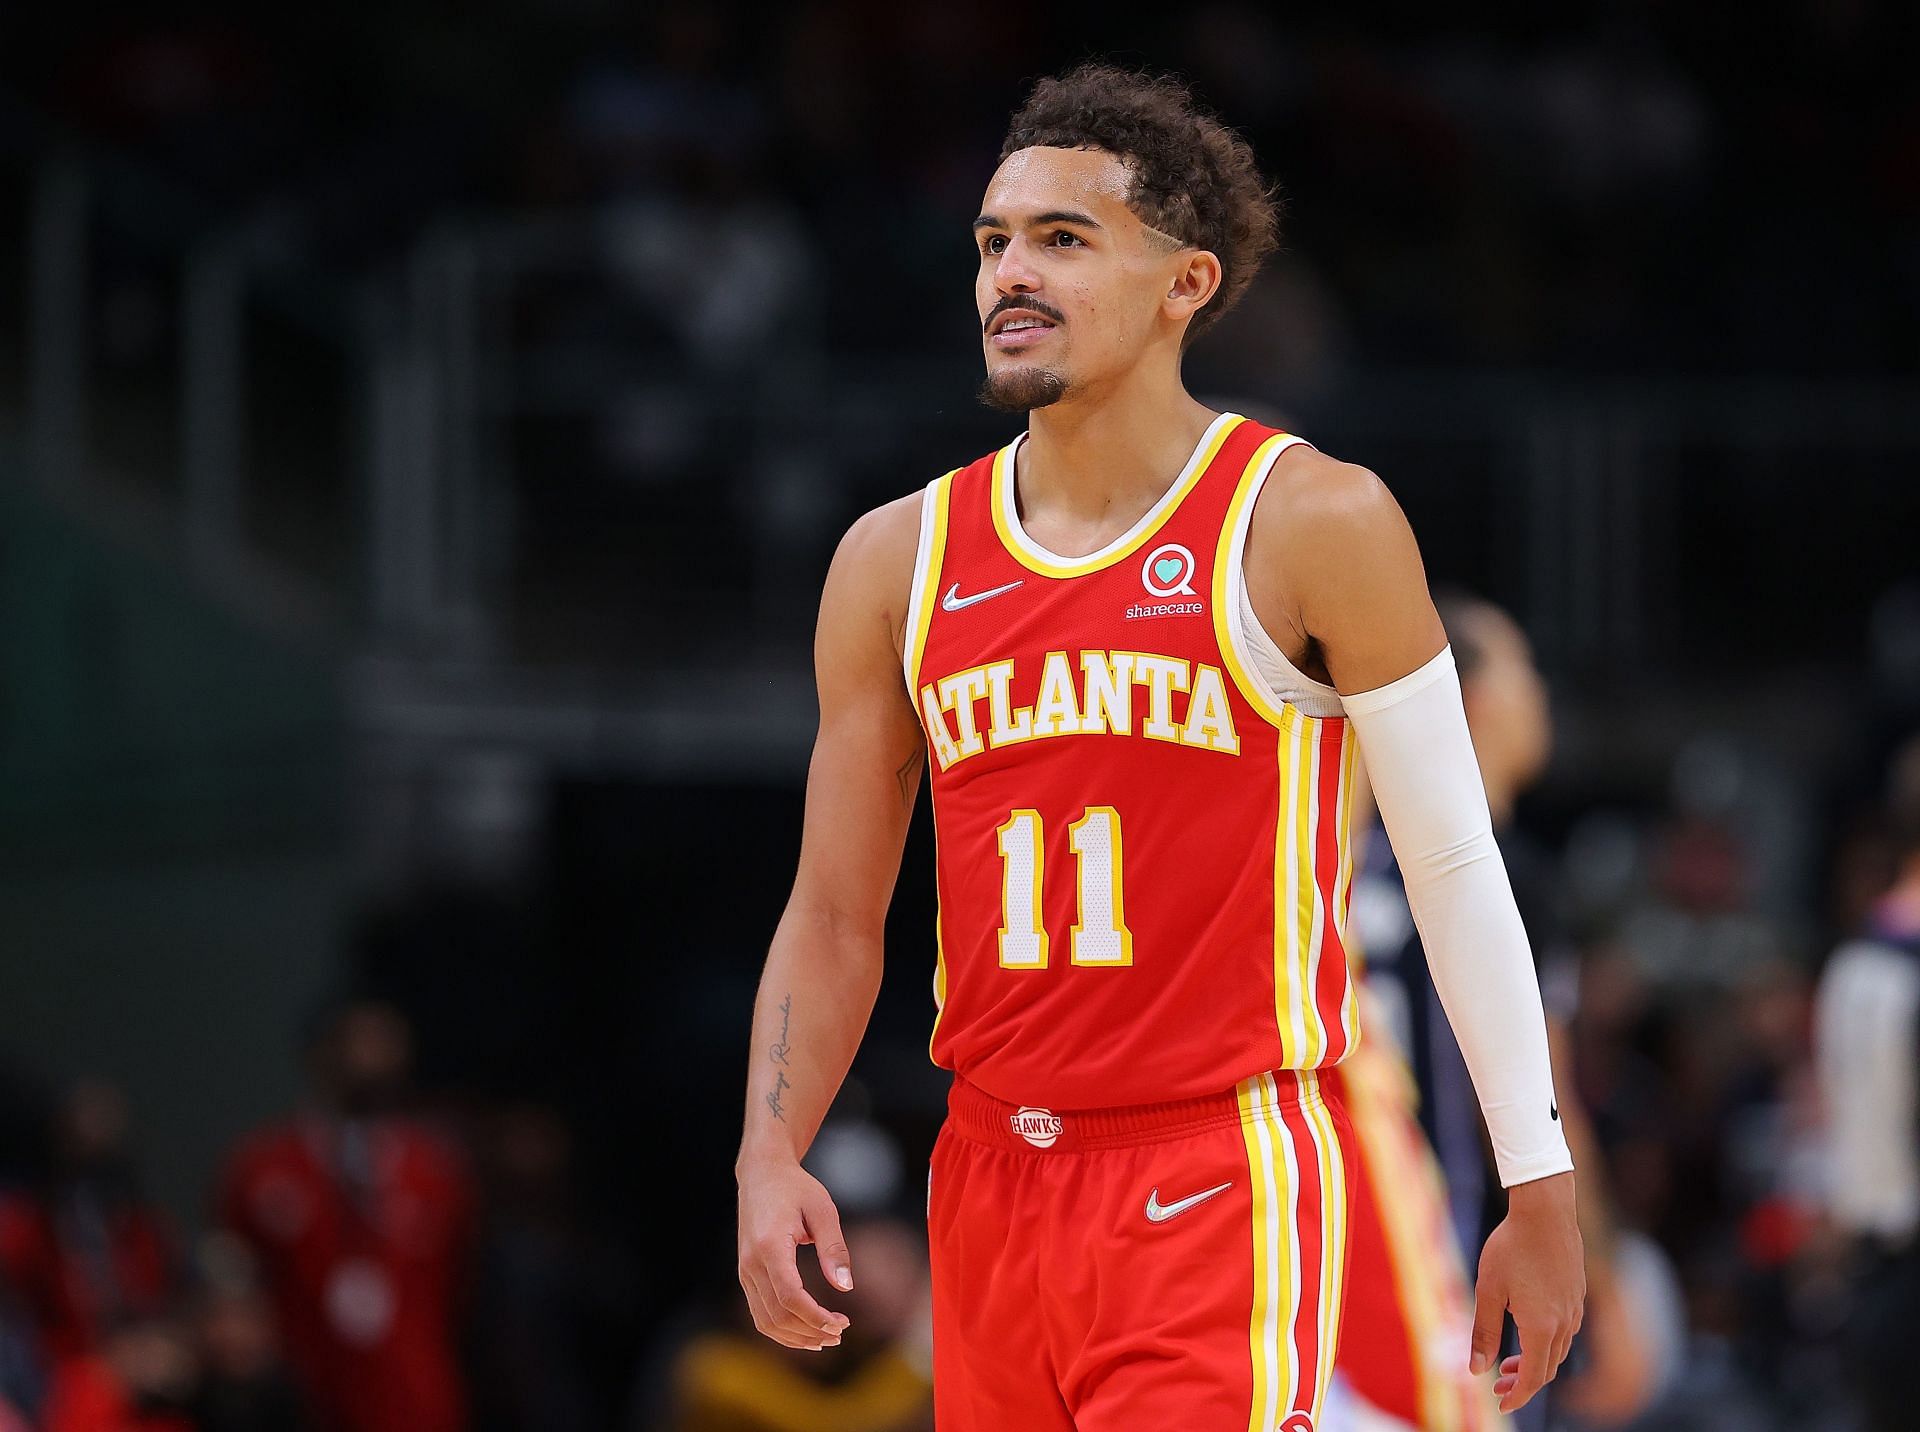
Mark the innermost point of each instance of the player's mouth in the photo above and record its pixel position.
(1019, 328)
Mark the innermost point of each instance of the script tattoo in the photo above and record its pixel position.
(778, 1052)
(781, 1048)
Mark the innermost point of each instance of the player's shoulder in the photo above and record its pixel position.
(888, 529)
(877, 551)
(871, 575)
(1316, 486)
(1312, 501)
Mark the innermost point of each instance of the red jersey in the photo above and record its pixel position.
(363, 1244)
(1143, 855)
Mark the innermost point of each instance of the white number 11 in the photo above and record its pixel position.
(1100, 935)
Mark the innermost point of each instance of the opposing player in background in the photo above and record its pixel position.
(1422, 1195)
(1143, 643)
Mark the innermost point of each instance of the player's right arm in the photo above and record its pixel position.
(1350, 579)
(823, 967)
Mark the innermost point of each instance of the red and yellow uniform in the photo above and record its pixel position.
(1143, 871)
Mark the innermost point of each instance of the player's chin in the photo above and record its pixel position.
(1021, 387)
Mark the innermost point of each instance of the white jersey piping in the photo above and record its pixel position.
(929, 503)
(1277, 678)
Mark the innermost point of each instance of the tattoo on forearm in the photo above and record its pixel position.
(778, 1052)
(906, 773)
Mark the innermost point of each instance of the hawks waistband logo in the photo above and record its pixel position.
(1039, 1127)
(1296, 1422)
(1168, 570)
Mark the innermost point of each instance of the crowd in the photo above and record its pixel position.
(361, 1266)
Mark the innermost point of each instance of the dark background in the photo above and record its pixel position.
(424, 431)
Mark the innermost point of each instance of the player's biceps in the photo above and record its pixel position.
(868, 727)
(863, 775)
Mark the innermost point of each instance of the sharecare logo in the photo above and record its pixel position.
(1168, 570)
(1137, 610)
(1039, 1127)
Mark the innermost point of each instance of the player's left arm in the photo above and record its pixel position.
(1335, 560)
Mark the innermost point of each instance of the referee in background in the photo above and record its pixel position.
(1867, 1050)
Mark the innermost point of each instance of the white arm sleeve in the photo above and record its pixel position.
(1413, 739)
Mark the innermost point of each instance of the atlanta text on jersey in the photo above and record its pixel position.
(1097, 701)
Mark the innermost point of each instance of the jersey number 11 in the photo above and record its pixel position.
(1100, 935)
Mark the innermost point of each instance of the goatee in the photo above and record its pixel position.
(1021, 390)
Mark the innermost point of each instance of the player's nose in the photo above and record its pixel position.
(1013, 273)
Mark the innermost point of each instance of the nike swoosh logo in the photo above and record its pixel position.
(953, 601)
(1158, 1212)
(1554, 1109)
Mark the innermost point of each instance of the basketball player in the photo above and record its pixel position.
(1142, 644)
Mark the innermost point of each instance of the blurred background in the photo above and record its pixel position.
(423, 432)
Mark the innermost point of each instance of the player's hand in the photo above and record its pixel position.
(781, 1207)
(1534, 1265)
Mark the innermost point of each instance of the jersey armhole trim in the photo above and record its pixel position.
(1228, 586)
(928, 557)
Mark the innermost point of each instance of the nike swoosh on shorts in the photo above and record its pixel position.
(1158, 1212)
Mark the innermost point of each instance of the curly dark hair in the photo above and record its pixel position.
(1192, 177)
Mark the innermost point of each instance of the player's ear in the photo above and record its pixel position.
(1195, 279)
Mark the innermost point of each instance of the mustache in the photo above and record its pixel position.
(1045, 310)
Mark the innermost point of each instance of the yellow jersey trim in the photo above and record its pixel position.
(1029, 554)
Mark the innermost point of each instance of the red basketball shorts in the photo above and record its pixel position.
(1409, 1308)
(1140, 1269)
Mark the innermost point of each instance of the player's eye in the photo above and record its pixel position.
(1063, 234)
(987, 245)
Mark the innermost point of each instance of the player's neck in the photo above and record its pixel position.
(1087, 459)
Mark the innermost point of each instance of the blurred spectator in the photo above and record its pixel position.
(1868, 1046)
(141, 1380)
(22, 1372)
(546, 1299)
(88, 1251)
(244, 1386)
(362, 1221)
